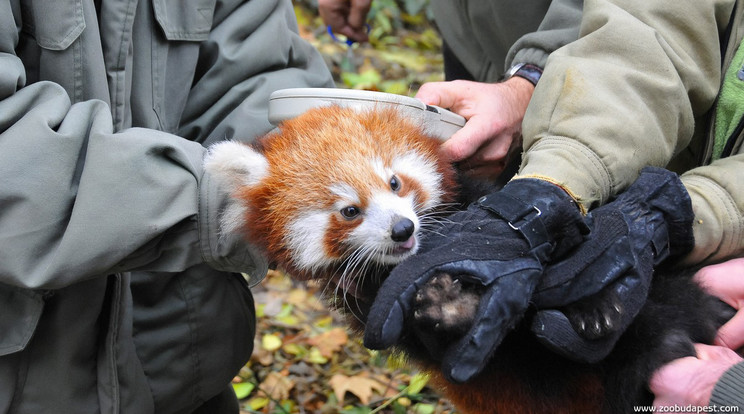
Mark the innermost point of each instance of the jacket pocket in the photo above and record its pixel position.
(185, 19)
(55, 24)
(21, 310)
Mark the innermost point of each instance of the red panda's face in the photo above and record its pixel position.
(373, 217)
(337, 189)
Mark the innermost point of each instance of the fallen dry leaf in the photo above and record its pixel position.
(277, 386)
(359, 385)
(330, 342)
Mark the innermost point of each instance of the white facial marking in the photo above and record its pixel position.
(347, 195)
(424, 171)
(379, 168)
(305, 240)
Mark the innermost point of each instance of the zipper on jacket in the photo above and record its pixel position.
(726, 37)
(733, 139)
(114, 292)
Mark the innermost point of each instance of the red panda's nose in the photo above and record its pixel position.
(402, 230)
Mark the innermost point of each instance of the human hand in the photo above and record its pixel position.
(726, 281)
(346, 17)
(690, 380)
(494, 113)
(601, 285)
(527, 220)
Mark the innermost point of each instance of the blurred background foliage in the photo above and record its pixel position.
(304, 359)
(402, 53)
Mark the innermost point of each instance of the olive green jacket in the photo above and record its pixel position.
(105, 109)
(636, 89)
(639, 88)
(595, 122)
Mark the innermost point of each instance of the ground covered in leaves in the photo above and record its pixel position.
(304, 360)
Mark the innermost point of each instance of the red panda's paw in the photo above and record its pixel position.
(597, 316)
(446, 306)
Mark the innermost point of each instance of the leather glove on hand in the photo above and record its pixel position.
(502, 243)
(611, 271)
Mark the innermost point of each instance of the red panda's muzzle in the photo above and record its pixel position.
(402, 230)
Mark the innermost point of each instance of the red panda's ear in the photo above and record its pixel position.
(235, 165)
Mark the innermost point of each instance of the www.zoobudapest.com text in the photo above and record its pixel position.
(686, 409)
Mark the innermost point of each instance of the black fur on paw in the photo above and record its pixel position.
(446, 305)
(597, 316)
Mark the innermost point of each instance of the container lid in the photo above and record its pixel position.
(288, 103)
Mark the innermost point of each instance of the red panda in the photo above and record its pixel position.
(337, 195)
(342, 195)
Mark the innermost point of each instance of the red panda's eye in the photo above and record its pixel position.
(394, 183)
(350, 212)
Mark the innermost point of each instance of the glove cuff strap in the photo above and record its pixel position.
(522, 217)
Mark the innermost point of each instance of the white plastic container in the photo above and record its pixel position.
(288, 103)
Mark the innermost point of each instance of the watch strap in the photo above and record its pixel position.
(526, 71)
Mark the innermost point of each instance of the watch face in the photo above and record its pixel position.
(289, 103)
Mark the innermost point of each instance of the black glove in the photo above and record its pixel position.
(611, 271)
(502, 243)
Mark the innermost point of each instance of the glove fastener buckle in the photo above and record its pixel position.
(524, 218)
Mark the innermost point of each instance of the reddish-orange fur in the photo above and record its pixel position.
(498, 392)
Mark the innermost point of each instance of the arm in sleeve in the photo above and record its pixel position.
(559, 27)
(253, 50)
(625, 95)
(78, 200)
(718, 204)
(729, 391)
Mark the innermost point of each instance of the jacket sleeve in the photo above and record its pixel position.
(559, 27)
(253, 50)
(729, 391)
(79, 199)
(624, 95)
(718, 204)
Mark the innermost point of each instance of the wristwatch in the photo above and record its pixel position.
(525, 70)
